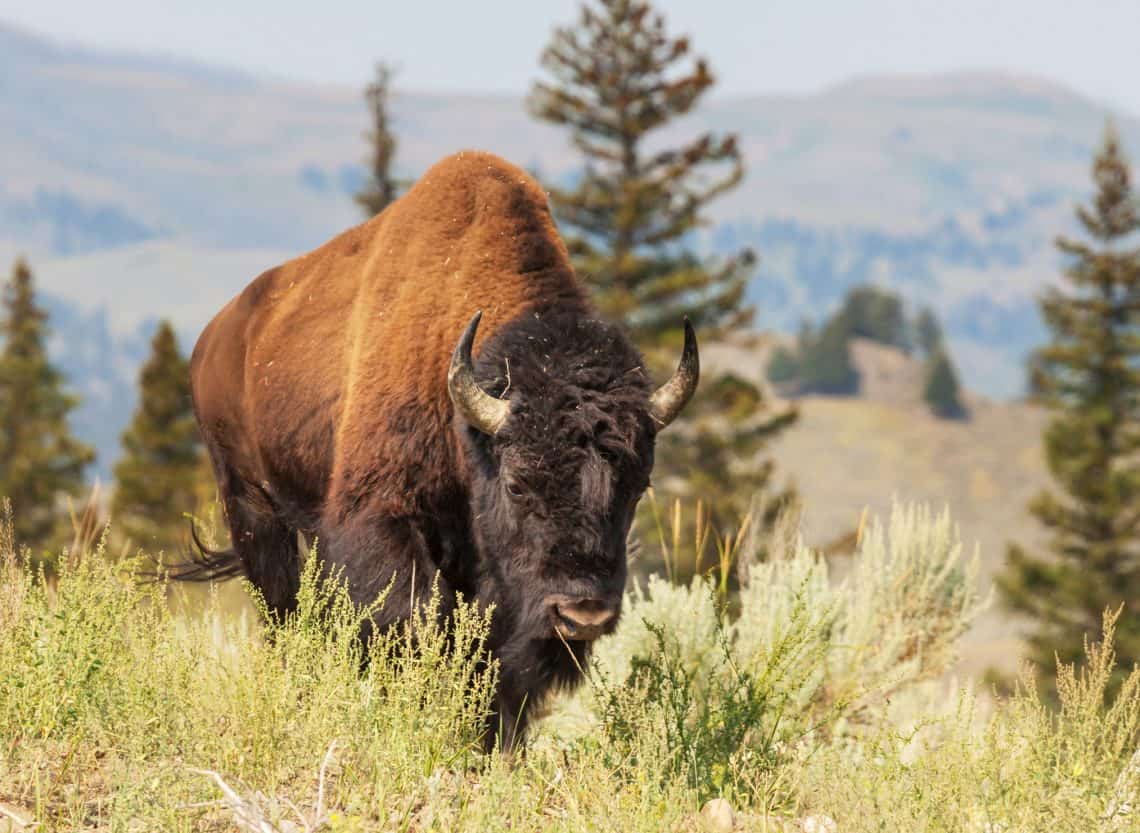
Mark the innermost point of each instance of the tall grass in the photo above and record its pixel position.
(109, 699)
(799, 696)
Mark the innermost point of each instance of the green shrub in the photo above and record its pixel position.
(802, 694)
(1027, 768)
(724, 701)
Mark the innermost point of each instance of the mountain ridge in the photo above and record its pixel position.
(147, 187)
(862, 84)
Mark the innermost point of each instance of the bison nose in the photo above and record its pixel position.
(582, 619)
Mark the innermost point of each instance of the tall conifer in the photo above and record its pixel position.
(615, 80)
(826, 366)
(941, 390)
(1089, 376)
(158, 479)
(40, 461)
(928, 332)
(381, 187)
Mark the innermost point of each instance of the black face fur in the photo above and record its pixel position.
(554, 492)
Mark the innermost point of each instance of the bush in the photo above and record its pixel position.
(725, 699)
(802, 694)
(1028, 768)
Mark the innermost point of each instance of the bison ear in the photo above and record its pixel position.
(669, 399)
(481, 410)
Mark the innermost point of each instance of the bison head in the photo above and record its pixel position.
(559, 420)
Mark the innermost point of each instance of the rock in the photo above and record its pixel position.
(819, 824)
(718, 816)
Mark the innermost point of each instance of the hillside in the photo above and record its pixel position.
(148, 187)
(850, 454)
(847, 454)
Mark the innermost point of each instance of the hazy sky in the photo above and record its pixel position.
(492, 45)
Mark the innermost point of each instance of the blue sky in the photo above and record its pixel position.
(762, 46)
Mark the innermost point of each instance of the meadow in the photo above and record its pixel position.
(763, 695)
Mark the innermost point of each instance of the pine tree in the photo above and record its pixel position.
(876, 314)
(717, 456)
(381, 188)
(40, 461)
(928, 332)
(783, 366)
(159, 476)
(825, 363)
(941, 391)
(1089, 376)
(617, 79)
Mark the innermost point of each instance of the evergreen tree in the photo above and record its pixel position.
(381, 188)
(825, 363)
(929, 332)
(875, 314)
(783, 366)
(617, 79)
(1089, 376)
(822, 361)
(941, 391)
(159, 476)
(40, 461)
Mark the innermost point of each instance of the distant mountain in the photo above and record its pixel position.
(146, 187)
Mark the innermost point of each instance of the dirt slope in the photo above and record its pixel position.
(849, 453)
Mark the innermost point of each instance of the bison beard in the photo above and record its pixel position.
(511, 479)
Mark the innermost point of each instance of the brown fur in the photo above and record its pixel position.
(321, 391)
(319, 359)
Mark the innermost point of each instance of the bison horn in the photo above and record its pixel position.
(481, 410)
(668, 400)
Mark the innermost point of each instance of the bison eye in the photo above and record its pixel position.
(513, 489)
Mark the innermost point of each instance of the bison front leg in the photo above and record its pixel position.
(386, 557)
(507, 723)
(395, 556)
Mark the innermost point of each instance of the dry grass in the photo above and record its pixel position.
(808, 703)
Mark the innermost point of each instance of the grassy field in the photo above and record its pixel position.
(803, 703)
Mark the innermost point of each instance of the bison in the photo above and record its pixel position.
(340, 402)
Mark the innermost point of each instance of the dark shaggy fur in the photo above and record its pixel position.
(321, 392)
(576, 453)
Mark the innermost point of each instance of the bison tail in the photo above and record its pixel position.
(267, 556)
(206, 564)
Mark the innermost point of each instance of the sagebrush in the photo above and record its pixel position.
(798, 697)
